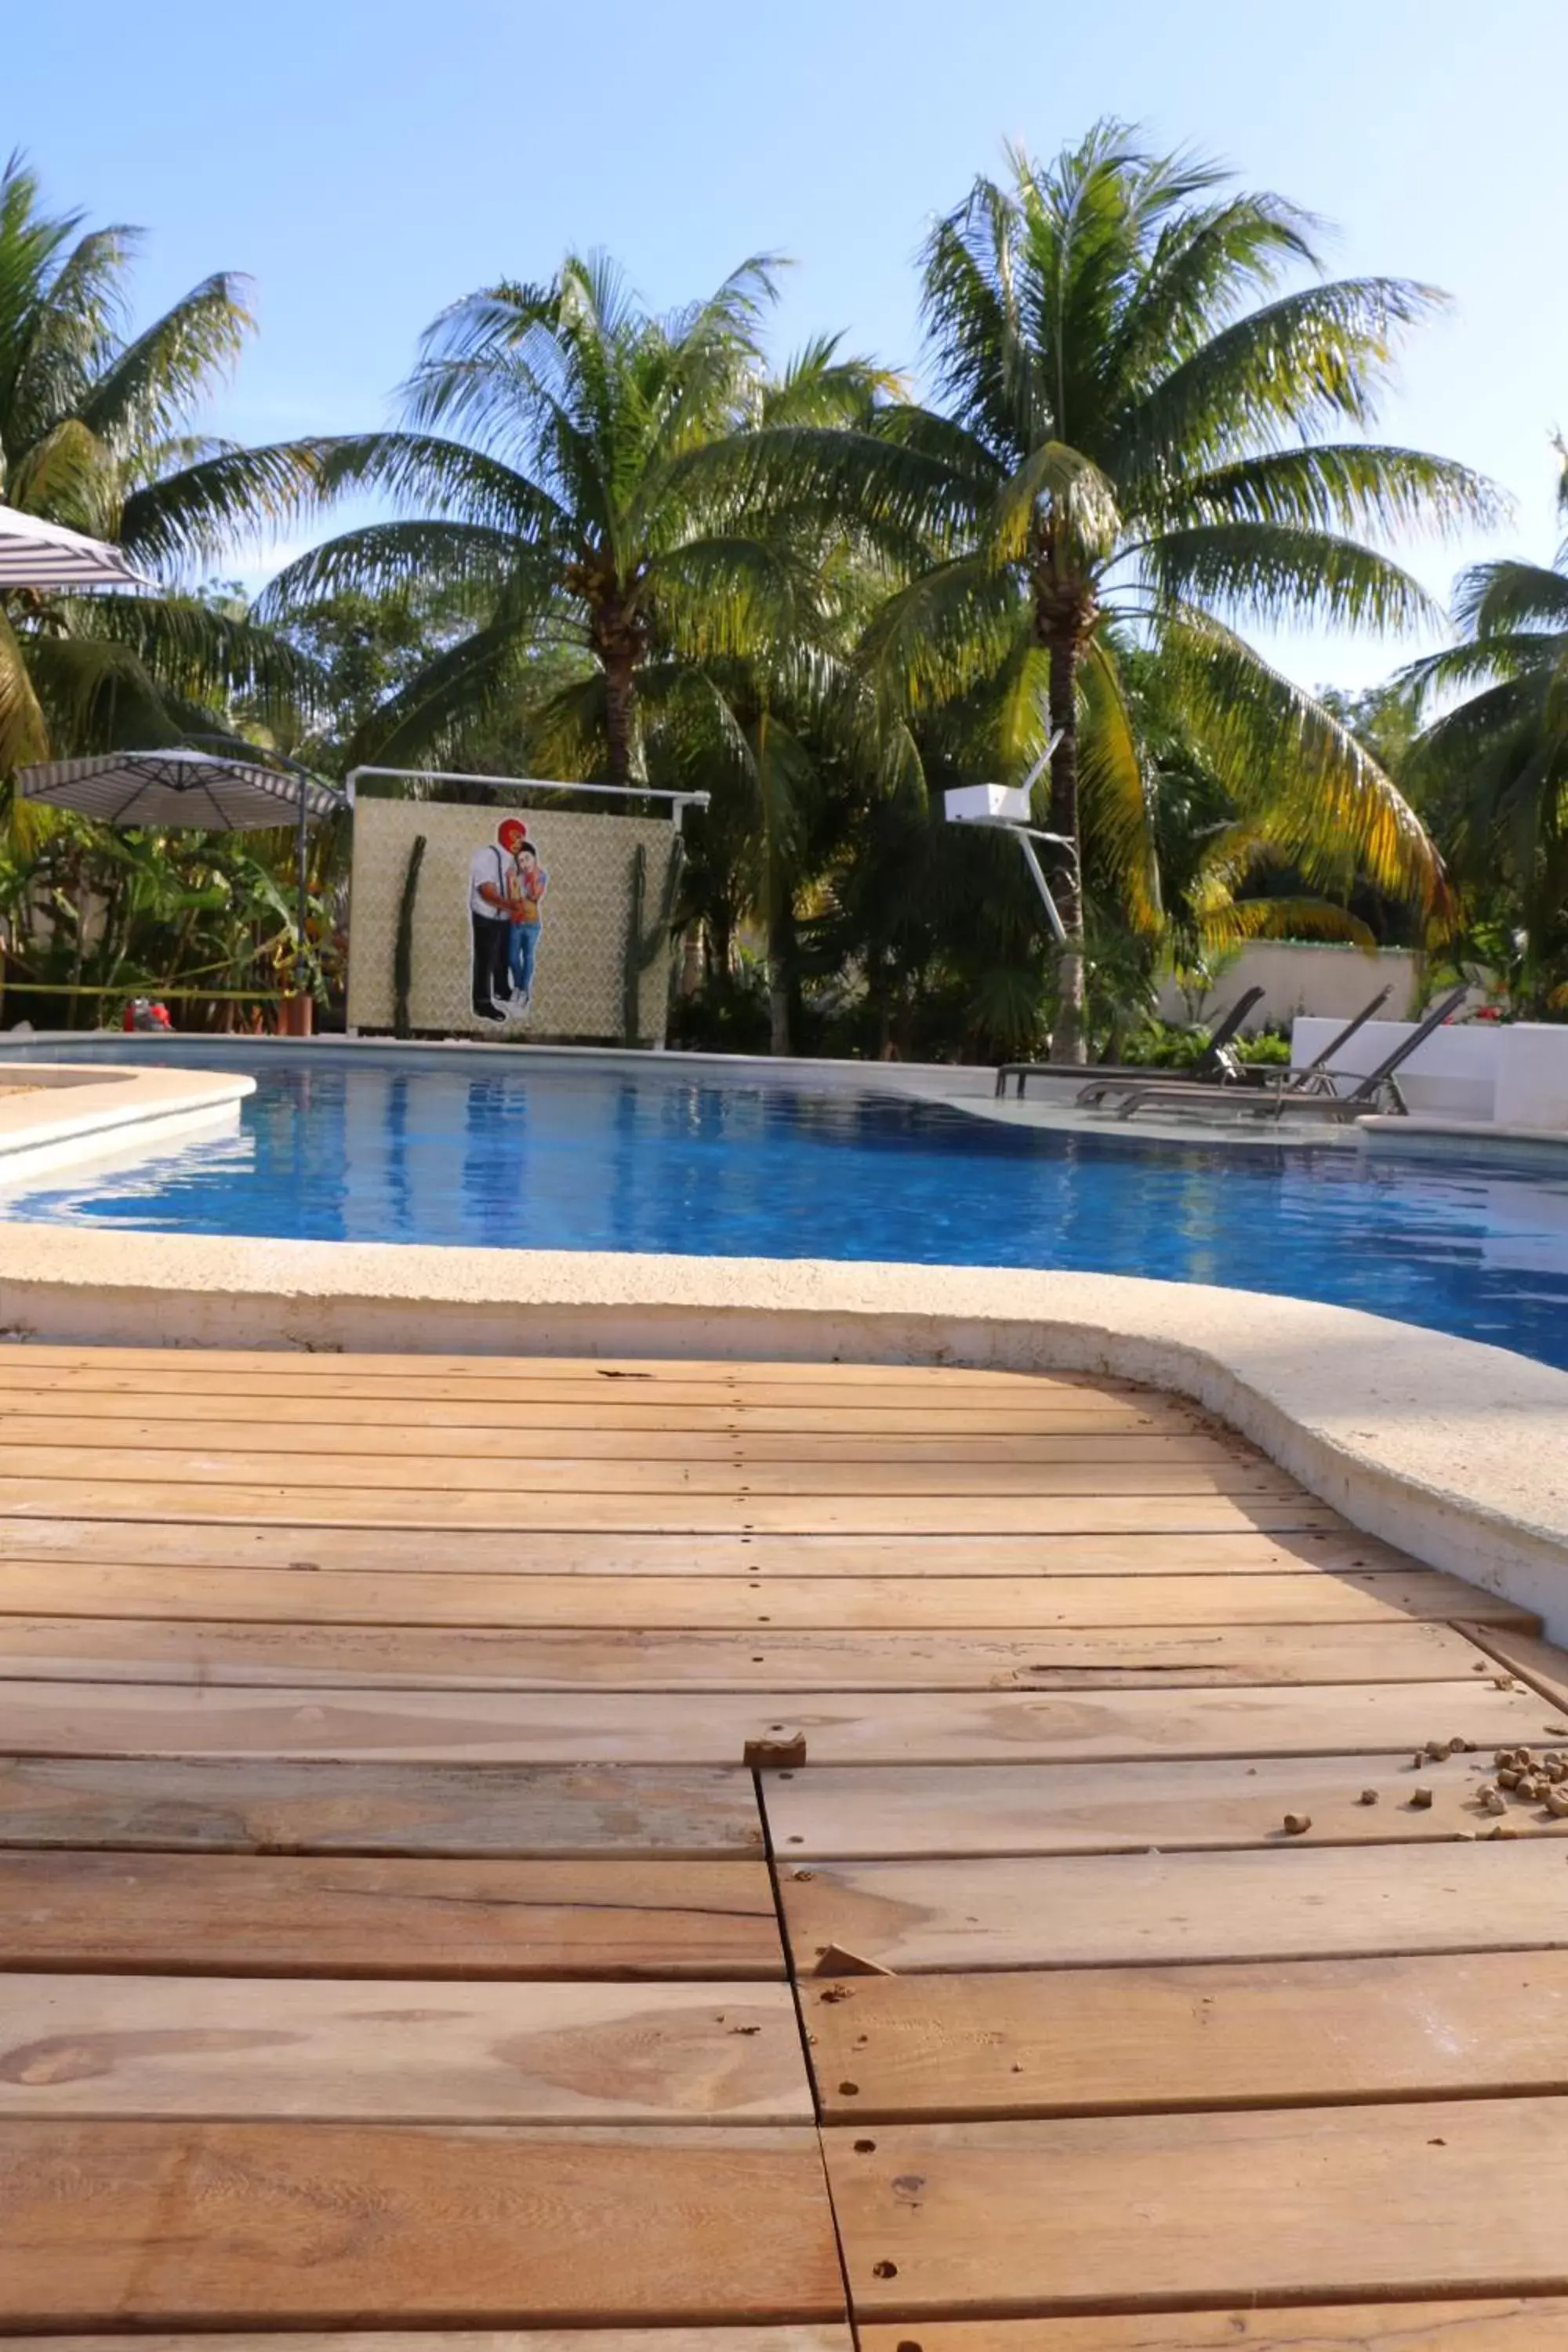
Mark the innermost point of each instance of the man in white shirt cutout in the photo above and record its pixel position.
(491, 887)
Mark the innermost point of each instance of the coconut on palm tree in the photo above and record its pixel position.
(1130, 435)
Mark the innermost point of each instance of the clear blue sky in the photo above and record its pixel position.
(368, 160)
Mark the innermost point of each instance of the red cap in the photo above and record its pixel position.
(511, 834)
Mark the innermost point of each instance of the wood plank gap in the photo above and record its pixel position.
(1538, 1664)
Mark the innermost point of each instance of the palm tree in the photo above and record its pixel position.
(95, 433)
(1491, 769)
(565, 473)
(1128, 437)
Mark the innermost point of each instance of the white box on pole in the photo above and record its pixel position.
(987, 804)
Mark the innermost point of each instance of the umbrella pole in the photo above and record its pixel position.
(302, 891)
(301, 1024)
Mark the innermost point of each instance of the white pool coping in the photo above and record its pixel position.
(1436, 1138)
(1061, 1115)
(1455, 1451)
(65, 1113)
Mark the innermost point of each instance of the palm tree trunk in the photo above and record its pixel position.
(1068, 1040)
(618, 673)
(781, 974)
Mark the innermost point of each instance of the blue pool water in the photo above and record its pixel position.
(575, 1159)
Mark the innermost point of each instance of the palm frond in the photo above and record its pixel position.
(23, 733)
(1280, 573)
(955, 624)
(196, 516)
(718, 596)
(1208, 263)
(382, 558)
(983, 360)
(1341, 487)
(1480, 662)
(1117, 787)
(1082, 503)
(63, 476)
(441, 477)
(819, 386)
(98, 694)
(1222, 921)
(1501, 599)
(453, 694)
(1289, 764)
(199, 657)
(1312, 361)
(152, 385)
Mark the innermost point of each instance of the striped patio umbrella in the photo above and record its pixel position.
(214, 792)
(38, 555)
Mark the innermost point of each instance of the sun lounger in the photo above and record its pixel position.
(1314, 1078)
(1365, 1092)
(1217, 1067)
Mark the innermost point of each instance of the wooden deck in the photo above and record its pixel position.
(399, 1944)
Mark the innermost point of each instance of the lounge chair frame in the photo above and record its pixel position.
(1312, 1092)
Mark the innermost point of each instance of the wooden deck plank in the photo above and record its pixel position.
(448, 1510)
(648, 1385)
(269, 1804)
(712, 1402)
(114, 1371)
(326, 1674)
(231, 2225)
(239, 2049)
(474, 1436)
(819, 2338)
(1518, 2325)
(959, 1421)
(729, 1603)
(1110, 2041)
(612, 1374)
(121, 1649)
(903, 1811)
(566, 1481)
(296, 1915)
(648, 1551)
(647, 1728)
(1156, 1909)
(1334, 2203)
(549, 1364)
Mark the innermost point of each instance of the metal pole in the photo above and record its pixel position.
(533, 784)
(303, 888)
(1053, 913)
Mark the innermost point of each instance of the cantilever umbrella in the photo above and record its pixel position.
(38, 555)
(227, 791)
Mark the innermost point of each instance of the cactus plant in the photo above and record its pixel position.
(643, 945)
(402, 947)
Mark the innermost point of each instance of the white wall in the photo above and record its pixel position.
(1297, 979)
(1514, 1074)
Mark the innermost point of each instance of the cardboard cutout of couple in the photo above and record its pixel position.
(506, 901)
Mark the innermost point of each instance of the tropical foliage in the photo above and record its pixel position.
(607, 544)
(559, 456)
(96, 432)
(1129, 445)
(1491, 769)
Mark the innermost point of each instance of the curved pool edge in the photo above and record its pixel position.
(65, 1113)
(1456, 1452)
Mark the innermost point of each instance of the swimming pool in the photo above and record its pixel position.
(573, 1158)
